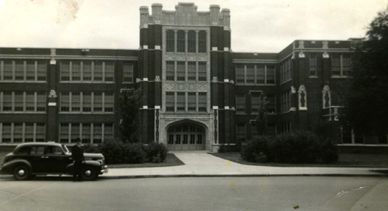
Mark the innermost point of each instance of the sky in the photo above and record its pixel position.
(257, 25)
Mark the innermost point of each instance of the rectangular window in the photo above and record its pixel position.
(240, 74)
(109, 71)
(97, 133)
(30, 101)
(202, 37)
(240, 103)
(18, 133)
(181, 71)
(65, 71)
(64, 133)
(97, 71)
(313, 65)
(336, 65)
(170, 41)
(241, 132)
(346, 64)
(30, 71)
(42, 71)
(192, 101)
(76, 71)
(270, 75)
(19, 99)
(170, 70)
(97, 102)
(41, 101)
(255, 102)
(181, 101)
(87, 71)
(40, 132)
(75, 102)
(271, 105)
(86, 133)
(8, 72)
(191, 42)
(170, 101)
(202, 71)
(127, 72)
(86, 102)
(108, 131)
(260, 74)
(29, 132)
(202, 99)
(19, 70)
(250, 76)
(108, 102)
(7, 101)
(191, 71)
(7, 133)
(65, 102)
(285, 102)
(75, 132)
(285, 69)
(181, 41)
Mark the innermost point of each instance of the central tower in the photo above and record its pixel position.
(185, 72)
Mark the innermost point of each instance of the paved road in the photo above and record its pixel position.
(218, 193)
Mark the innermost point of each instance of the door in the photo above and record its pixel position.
(186, 137)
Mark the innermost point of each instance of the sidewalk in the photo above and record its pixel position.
(202, 164)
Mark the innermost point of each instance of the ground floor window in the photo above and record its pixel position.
(19, 132)
(89, 133)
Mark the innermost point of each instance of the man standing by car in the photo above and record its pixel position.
(77, 153)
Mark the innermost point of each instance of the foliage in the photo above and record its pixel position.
(367, 97)
(129, 107)
(113, 151)
(296, 147)
(133, 153)
(261, 119)
(91, 148)
(155, 152)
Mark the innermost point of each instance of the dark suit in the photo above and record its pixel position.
(77, 154)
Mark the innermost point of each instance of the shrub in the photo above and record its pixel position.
(229, 148)
(155, 152)
(91, 148)
(256, 150)
(113, 151)
(133, 153)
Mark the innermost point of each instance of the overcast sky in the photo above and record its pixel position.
(257, 25)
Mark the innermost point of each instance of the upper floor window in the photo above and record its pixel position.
(182, 71)
(186, 101)
(255, 74)
(87, 71)
(23, 101)
(192, 42)
(240, 103)
(170, 41)
(202, 42)
(340, 64)
(285, 71)
(181, 41)
(21, 70)
(128, 72)
(101, 102)
(313, 65)
(285, 102)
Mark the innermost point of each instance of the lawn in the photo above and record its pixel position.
(345, 160)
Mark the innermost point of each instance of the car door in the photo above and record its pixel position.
(57, 160)
(38, 159)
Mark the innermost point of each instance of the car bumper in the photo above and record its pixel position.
(104, 169)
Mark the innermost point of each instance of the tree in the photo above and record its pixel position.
(129, 106)
(366, 106)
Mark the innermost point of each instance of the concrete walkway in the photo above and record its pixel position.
(202, 164)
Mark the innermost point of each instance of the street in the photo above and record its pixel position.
(192, 193)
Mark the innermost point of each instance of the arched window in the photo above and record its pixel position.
(302, 98)
(191, 42)
(202, 42)
(326, 97)
(170, 39)
(181, 41)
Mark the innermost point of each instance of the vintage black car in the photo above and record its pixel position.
(31, 159)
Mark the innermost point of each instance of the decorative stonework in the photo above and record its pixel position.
(302, 98)
(52, 94)
(170, 86)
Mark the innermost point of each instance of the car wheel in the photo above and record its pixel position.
(22, 172)
(89, 173)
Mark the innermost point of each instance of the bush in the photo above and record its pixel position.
(133, 153)
(256, 150)
(297, 147)
(229, 148)
(155, 152)
(113, 151)
(91, 148)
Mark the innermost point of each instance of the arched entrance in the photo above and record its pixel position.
(186, 136)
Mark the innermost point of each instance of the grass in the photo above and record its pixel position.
(345, 160)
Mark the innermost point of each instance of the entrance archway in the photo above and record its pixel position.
(186, 136)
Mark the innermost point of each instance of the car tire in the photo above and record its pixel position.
(89, 173)
(22, 172)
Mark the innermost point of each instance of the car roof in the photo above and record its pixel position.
(39, 144)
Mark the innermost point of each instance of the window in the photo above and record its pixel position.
(108, 102)
(180, 70)
(29, 132)
(127, 72)
(109, 71)
(76, 71)
(75, 132)
(202, 42)
(19, 70)
(87, 102)
(202, 71)
(97, 102)
(255, 102)
(30, 71)
(170, 71)
(191, 42)
(191, 71)
(326, 97)
(270, 75)
(260, 74)
(108, 131)
(19, 101)
(313, 65)
(7, 71)
(170, 101)
(192, 101)
(250, 74)
(98, 71)
(241, 132)
(41, 101)
(18, 133)
(240, 74)
(285, 71)
(30, 101)
(97, 133)
(285, 102)
(7, 101)
(7, 133)
(170, 41)
(86, 133)
(181, 41)
(42, 71)
(255, 74)
(271, 104)
(240, 103)
(65, 102)
(202, 99)
(64, 133)
(302, 98)
(340, 65)
(75, 102)
(181, 101)
(23, 101)
(65, 71)
(87, 71)
(40, 134)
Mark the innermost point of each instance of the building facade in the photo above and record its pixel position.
(197, 93)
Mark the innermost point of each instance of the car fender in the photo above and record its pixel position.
(94, 163)
(9, 166)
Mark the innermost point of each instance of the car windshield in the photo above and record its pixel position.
(65, 148)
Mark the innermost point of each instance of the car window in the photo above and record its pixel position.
(54, 150)
(23, 150)
(37, 150)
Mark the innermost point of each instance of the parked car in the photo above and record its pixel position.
(31, 159)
